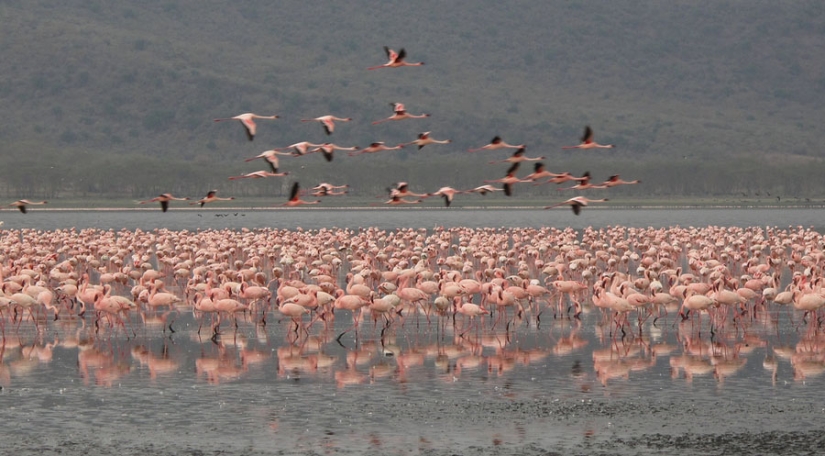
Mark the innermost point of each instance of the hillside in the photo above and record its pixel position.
(117, 98)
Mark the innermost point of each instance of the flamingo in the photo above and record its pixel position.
(588, 143)
(400, 114)
(517, 157)
(508, 180)
(163, 199)
(396, 200)
(211, 197)
(577, 202)
(271, 157)
(539, 172)
(584, 184)
(295, 197)
(448, 193)
(325, 189)
(395, 60)
(424, 139)
(615, 180)
(22, 204)
(261, 174)
(495, 144)
(300, 148)
(329, 148)
(248, 122)
(403, 189)
(374, 148)
(561, 178)
(328, 122)
(485, 189)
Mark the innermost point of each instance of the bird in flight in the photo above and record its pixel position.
(588, 143)
(400, 113)
(248, 122)
(259, 175)
(295, 197)
(485, 189)
(577, 203)
(584, 183)
(325, 189)
(374, 148)
(448, 193)
(164, 199)
(497, 143)
(395, 60)
(211, 197)
(517, 157)
(424, 139)
(615, 180)
(299, 148)
(271, 157)
(328, 122)
(329, 148)
(509, 180)
(22, 204)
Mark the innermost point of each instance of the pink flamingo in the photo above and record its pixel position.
(588, 143)
(485, 189)
(328, 122)
(584, 184)
(396, 200)
(403, 189)
(425, 139)
(248, 122)
(374, 148)
(22, 204)
(211, 197)
(271, 157)
(395, 60)
(508, 180)
(295, 197)
(576, 203)
(329, 148)
(497, 143)
(400, 114)
(517, 157)
(559, 178)
(259, 175)
(615, 180)
(448, 193)
(325, 189)
(163, 199)
(299, 148)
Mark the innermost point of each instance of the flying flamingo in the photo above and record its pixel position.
(21, 204)
(375, 147)
(396, 200)
(325, 189)
(495, 144)
(395, 60)
(424, 139)
(259, 175)
(517, 157)
(403, 189)
(329, 148)
(577, 202)
(615, 180)
(211, 197)
(588, 143)
(295, 197)
(563, 177)
(447, 193)
(539, 172)
(485, 189)
(328, 122)
(300, 148)
(584, 184)
(400, 114)
(271, 157)
(248, 122)
(508, 180)
(163, 199)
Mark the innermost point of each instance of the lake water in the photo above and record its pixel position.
(558, 385)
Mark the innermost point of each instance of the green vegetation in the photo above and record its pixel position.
(720, 100)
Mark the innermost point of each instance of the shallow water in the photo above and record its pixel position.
(531, 387)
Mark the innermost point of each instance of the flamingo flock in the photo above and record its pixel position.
(397, 60)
